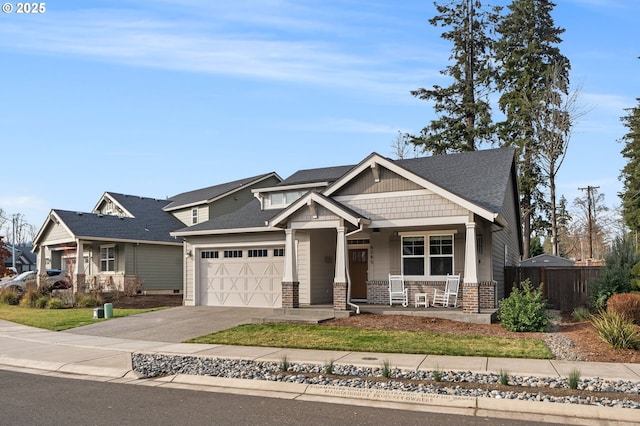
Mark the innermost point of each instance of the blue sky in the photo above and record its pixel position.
(155, 98)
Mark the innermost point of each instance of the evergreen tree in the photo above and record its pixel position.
(526, 52)
(631, 172)
(464, 114)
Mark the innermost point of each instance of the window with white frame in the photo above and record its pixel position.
(440, 254)
(413, 259)
(436, 261)
(278, 252)
(283, 199)
(108, 258)
(194, 216)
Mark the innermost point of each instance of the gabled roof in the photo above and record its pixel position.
(313, 197)
(476, 180)
(325, 174)
(148, 228)
(148, 224)
(211, 193)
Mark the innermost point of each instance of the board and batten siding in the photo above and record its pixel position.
(365, 183)
(505, 241)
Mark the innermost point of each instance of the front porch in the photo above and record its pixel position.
(315, 314)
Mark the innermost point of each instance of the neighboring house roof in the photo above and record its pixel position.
(248, 217)
(325, 174)
(148, 228)
(209, 194)
(546, 260)
(149, 224)
(479, 177)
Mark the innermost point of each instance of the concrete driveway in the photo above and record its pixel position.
(174, 324)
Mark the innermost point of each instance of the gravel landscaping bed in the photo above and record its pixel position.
(553, 389)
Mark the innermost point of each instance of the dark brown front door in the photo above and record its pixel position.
(358, 266)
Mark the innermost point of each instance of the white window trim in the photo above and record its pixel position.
(427, 256)
(115, 259)
(194, 216)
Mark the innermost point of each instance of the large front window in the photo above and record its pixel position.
(436, 261)
(108, 259)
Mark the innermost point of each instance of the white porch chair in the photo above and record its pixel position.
(443, 298)
(397, 292)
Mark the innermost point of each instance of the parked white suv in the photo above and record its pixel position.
(56, 279)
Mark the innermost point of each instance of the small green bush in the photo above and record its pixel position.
(386, 369)
(41, 302)
(328, 367)
(88, 301)
(9, 297)
(616, 330)
(504, 377)
(55, 303)
(524, 310)
(627, 305)
(30, 298)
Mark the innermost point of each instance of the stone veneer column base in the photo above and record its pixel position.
(471, 298)
(340, 296)
(291, 294)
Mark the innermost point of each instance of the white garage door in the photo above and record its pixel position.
(247, 277)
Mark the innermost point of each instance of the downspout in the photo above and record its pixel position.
(346, 255)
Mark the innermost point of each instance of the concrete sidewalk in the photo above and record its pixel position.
(31, 349)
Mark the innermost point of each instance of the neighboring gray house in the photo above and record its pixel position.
(126, 239)
(25, 259)
(333, 235)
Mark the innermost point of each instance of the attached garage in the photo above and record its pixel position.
(248, 277)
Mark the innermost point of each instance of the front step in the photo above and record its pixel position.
(301, 316)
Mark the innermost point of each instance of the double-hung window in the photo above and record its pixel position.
(440, 254)
(108, 258)
(427, 255)
(413, 255)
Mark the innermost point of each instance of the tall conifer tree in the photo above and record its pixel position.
(464, 114)
(526, 51)
(631, 172)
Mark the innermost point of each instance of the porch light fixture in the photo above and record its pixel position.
(189, 253)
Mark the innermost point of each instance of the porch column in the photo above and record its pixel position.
(79, 277)
(290, 283)
(41, 266)
(470, 288)
(340, 287)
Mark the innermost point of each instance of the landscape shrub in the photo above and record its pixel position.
(616, 330)
(9, 297)
(30, 297)
(88, 301)
(55, 303)
(524, 310)
(627, 305)
(635, 277)
(580, 314)
(616, 275)
(41, 302)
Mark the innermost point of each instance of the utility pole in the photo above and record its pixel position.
(590, 206)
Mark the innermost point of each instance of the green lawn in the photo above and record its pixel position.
(59, 319)
(369, 340)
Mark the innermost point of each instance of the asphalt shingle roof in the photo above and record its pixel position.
(204, 194)
(480, 177)
(150, 223)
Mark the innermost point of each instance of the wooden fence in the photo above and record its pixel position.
(564, 288)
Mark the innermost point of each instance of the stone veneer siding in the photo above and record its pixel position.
(291, 294)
